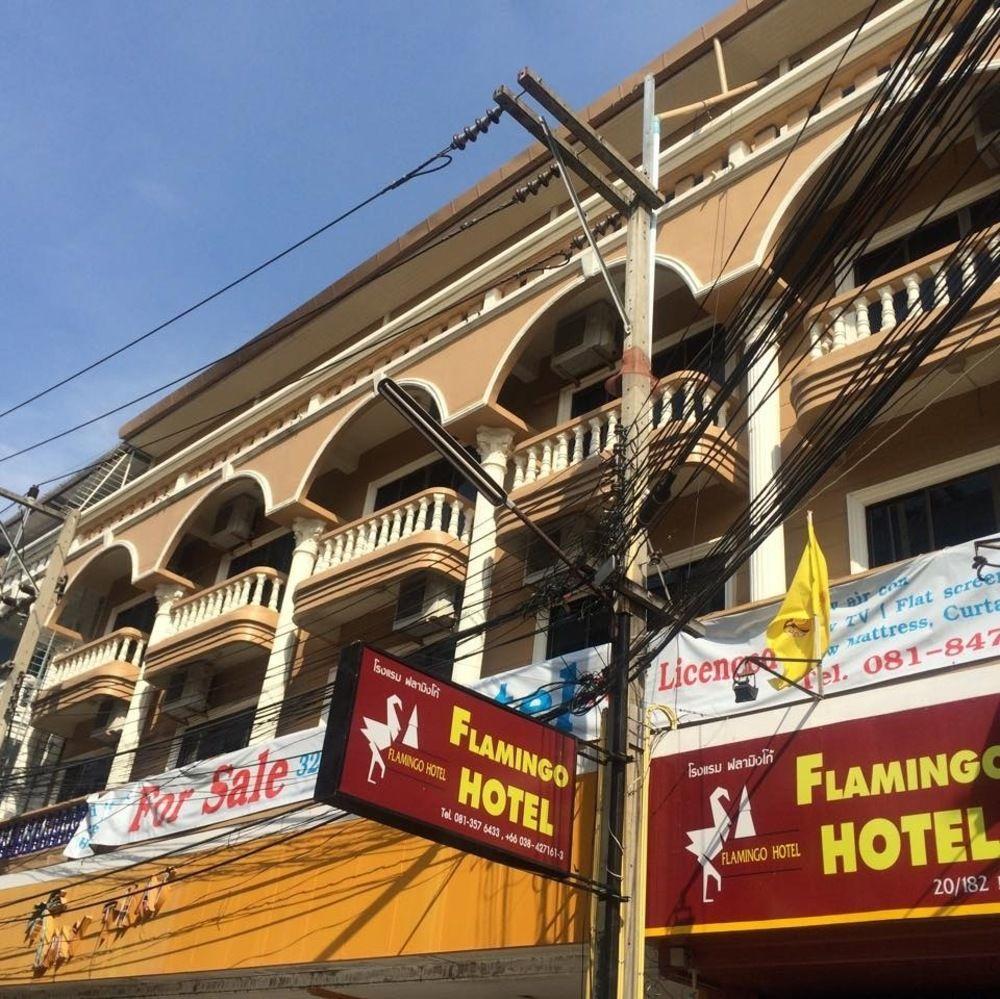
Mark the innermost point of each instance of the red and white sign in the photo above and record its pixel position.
(882, 818)
(430, 757)
(221, 789)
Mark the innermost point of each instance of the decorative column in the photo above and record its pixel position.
(494, 448)
(138, 708)
(279, 663)
(767, 563)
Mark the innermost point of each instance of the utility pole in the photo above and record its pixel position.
(637, 384)
(620, 939)
(43, 604)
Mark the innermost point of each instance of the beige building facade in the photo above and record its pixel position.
(288, 512)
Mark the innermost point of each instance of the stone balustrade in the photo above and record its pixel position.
(677, 398)
(254, 588)
(888, 300)
(124, 645)
(440, 510)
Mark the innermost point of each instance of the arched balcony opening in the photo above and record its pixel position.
(227, 534)
(103, 621)
(894, 271)
(208, 656)
(393, 569)
(562, 379)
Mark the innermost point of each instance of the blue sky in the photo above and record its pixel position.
(154, 151)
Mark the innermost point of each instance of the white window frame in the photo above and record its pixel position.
(227, 560)
(844, 268)
(859, 500)
(375, 484)
(223, 709)
(566, 393)
(694, 553)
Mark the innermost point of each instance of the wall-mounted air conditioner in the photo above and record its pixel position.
(187, 692)
(425, 605)
(234, 522)
(585, 342)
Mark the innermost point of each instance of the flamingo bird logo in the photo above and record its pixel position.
(706, 844)
(381, 735)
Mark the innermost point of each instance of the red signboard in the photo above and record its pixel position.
(883, 818)
(428, 756)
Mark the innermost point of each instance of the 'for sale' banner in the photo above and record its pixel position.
(882, 818)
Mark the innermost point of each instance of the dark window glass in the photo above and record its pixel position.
(274, 554)
(684, 581)
(581, 624)
(85, 777)
(139, 616)
(215, 738)
(985, 213)
(586, 400)
(704, 351)
(933, 236)
(410, 601)
(437, 658)
(927, 519)
(913, 246)
(437, 473)
(964, 508)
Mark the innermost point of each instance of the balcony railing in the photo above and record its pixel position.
(126, 645)
(253, 588)
(44, 829)
(440, 510)
(888, 300)
(676, 398)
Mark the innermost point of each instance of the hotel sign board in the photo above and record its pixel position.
(428, 756)
(891, 817)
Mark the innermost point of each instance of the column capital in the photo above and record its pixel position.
(167, 593)
(307, 530)
(494, 445)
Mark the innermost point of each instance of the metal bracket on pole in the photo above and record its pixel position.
(616, 298)
(15, 553)
(644, 190)
(524, 117)
(32, 504)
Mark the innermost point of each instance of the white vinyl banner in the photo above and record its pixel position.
(899, 622)
(283, 771)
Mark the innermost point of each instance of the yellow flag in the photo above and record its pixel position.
(801, 628)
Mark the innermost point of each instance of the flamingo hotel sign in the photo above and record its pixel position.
(891, 817)
(428, 756)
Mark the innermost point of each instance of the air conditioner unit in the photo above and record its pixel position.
(584, 342)
(234, 523)
(109, 721)
(425, 605)
(187, 692)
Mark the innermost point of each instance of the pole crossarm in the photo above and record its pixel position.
(582, 131)
(509, 102)
(32, 504)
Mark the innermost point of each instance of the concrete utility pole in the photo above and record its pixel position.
(43, 605)
(620, 938)
(637, 384)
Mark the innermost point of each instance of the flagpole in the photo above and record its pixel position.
(815, 627)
